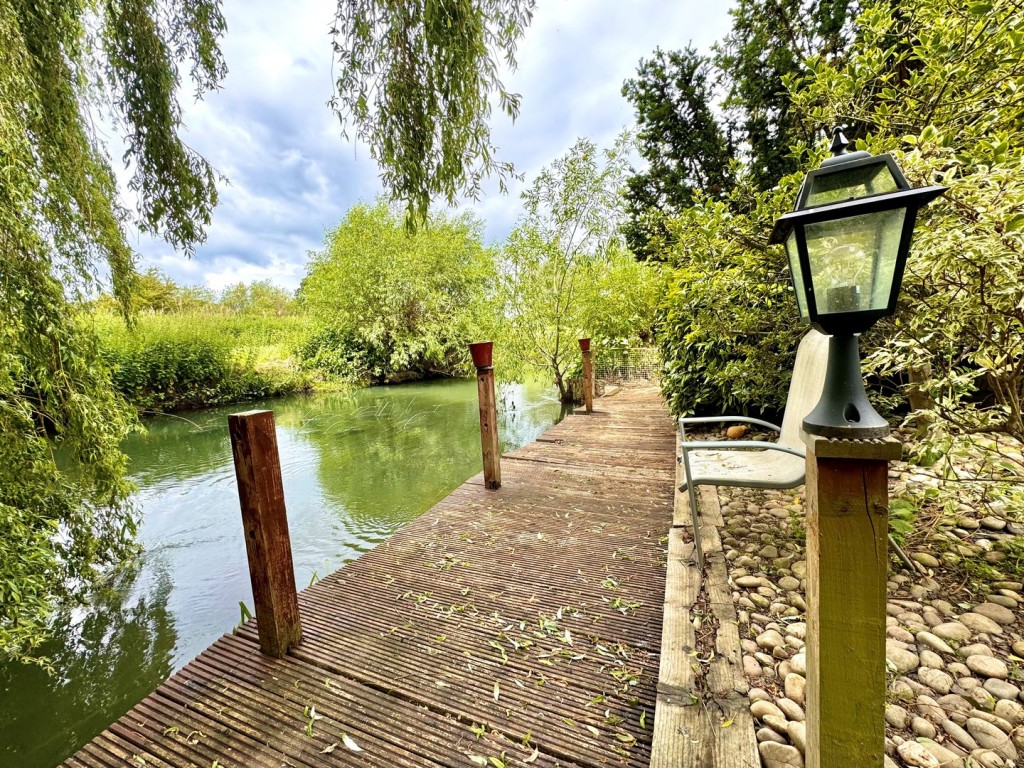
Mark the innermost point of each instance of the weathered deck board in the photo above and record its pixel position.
(522, 624)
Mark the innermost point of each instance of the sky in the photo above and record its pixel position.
(290, 176)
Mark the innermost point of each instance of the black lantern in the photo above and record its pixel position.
(847, 241)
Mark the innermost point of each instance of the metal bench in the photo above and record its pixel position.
(755, 463)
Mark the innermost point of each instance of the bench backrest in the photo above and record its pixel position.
(805, 387)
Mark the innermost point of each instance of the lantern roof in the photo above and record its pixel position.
(851, 184)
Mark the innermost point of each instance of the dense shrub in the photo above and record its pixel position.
(169, 362)
(728, 323)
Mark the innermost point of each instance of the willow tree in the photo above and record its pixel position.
(415, 80)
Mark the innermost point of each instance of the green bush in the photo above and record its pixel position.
(728, 325)
(170, 362)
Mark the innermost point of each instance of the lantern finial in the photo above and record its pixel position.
(839, 142)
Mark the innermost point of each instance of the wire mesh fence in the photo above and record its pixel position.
(633, 365)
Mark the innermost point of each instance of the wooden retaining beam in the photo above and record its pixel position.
(703, 714)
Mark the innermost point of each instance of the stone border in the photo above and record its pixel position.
(702, 717)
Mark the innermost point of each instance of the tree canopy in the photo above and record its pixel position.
(565, 272)
(391, 304)
(415, 78)
(61, 227)
(681, 140)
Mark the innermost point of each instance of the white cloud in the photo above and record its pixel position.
(292, 176)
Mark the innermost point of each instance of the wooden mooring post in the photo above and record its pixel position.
(847, 567)
(588, 376)
(482, 353)
(267, 544)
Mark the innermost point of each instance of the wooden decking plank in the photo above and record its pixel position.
(438, 736)
(579, 526)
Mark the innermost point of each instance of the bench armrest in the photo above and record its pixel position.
(720, 419)
(739, 445)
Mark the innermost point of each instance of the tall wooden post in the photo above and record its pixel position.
(258, 469)
(482, 357)
(847, 565)
(588, 376)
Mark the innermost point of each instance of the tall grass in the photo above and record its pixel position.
(184, 360)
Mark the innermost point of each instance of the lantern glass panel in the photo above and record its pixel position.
(798, 275)
(862, 181)
(853, 260)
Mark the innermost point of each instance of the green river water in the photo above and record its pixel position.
(356, 467)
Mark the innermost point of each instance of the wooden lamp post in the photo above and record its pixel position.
(847, 242)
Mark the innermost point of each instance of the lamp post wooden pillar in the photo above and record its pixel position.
(847, 566)
(269, 550)
(482, 357)
(588, 376)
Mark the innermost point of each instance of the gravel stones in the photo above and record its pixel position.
(770, 640)
(896, 716)
(987, 666)
(996, 612)
(934, 642)
(978, 624)
(960, 736)
(922, 727)
(1010, 711)
(789, 583)
(793, 711)
(928, 561)
(775, 755)
(761, 709)
(1002, 689)
(989, 736)
(795, 685)
(951, 703)
(952, 630)
(903, 660)
(935, 679)
(914, 754)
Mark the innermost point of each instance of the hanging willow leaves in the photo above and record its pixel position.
(67, 65)
(415, 77)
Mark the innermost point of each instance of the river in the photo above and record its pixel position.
(356, 466)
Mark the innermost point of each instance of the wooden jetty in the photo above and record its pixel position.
(518, 626)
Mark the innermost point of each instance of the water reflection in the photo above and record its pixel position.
(108, 659)
(355, 466)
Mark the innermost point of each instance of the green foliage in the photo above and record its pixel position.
(945, 102)
(414, 77)
(175, 361)
(769, 42)
(62, 523)
(728, 323)
(393, 305)
(564, 271)
(260, 297)
(681, 140)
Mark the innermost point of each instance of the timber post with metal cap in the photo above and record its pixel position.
(267, 544)
(847, 569)
(588, 376)
(482, 358)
